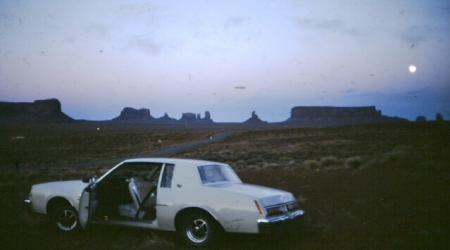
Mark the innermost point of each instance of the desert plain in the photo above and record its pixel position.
(379, 186)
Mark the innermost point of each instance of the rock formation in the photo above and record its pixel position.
(329, 116)
(439, 117)
(330, 113)
(304, 116)
(207, 118)
(132, 114)
(421, 118)
(48, 110)
(254, 120)
(188, 117)
(196, 118)
(165, 119)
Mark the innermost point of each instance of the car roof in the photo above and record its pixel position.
(176, 161)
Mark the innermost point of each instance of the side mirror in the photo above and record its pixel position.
(89, 179)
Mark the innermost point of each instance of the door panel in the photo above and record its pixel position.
(83, 214)
(88, 204)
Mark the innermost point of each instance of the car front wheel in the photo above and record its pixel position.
(198, 230)
(64, 217)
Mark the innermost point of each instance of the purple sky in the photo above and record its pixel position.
(229, 57)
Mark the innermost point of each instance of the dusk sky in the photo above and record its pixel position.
(228, 57)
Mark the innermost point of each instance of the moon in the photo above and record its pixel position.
(412, 68)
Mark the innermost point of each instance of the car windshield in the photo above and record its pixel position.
(217, 173)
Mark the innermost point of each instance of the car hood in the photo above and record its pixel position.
(266, 196)
(73, 186)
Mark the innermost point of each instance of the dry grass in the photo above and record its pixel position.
(353, 162)
(363, 187)
(311, 164)
(59, 144)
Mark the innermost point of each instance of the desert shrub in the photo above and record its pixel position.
(353, 162)
(283, 160)
(254, 160)
(311, 164)
(270, 165)
(329, 161)
(396, 153)
(237, 165)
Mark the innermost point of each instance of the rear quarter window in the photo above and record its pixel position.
(217, 173)
(166, 180)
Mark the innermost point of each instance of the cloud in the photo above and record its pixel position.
(97, 30)
(146, 44)
(418, 34)
(70, 39)
(134, 8)
(415, 34)
(330, 25)
(234, 22)
(416, 92)
(350, 91)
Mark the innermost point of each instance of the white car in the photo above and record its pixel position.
(198, 199)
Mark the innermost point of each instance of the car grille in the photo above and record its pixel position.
(281, 208)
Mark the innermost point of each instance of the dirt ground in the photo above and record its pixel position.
(362, 187)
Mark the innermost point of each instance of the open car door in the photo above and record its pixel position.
(87, 206)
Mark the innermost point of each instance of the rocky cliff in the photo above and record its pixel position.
(326, 115)
(165, 119)
(254, 120)
(48, 110)
(132, 114)
(188, 117)
(196, 118)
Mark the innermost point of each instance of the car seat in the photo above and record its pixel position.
(130, 210)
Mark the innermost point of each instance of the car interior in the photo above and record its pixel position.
(129, 192)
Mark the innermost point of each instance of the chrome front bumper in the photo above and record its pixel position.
(279, 222)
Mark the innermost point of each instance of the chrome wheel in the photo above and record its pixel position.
(67, 219)
(197, 232)
(198, 229)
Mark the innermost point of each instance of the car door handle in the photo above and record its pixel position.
(179, 185)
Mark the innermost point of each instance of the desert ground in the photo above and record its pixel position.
(383, 186)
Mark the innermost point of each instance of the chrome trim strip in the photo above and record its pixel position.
(280, 218)
(131, 223)
(280, 204)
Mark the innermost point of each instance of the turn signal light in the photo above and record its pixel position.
(258, 207)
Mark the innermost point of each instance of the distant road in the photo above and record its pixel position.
(184, 147)
(162, 152)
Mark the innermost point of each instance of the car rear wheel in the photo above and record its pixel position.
(64, 217)
(198, 230)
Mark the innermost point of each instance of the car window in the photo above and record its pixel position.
(142, 171)
(217, 173)
(166, 181)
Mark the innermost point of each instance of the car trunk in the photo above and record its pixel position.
(266, 196)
